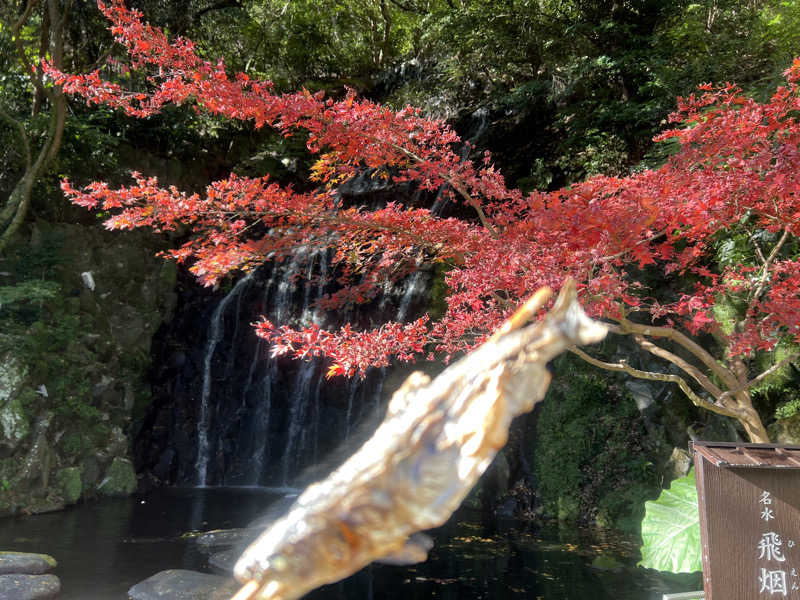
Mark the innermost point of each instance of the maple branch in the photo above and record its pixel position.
(757, 247)
(457, 187)
(334, 218)
(627, 327)
(641, 242)
(474, 204)
(767, 263)
(624, 367)
(745, 386)
(676, 360)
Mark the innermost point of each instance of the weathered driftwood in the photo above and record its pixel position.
(436, 440)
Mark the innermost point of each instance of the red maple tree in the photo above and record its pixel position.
(717, 227)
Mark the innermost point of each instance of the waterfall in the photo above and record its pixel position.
(303, 402)
(233, 415)
(259, 418)
(216, 332)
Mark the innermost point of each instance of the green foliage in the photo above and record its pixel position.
(311, 43)
(782, 377)
(120, 479)
(438, 292)
(76, 444)
(591, 458)
(780, 388)
(29, 272)
(27, 291)
(788, 409)
(69, 480)
(727, 40)
(671, 529)
(43, 332)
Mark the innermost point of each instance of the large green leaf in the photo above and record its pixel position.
(671, 529)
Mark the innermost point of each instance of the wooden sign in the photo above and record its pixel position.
(749, 501)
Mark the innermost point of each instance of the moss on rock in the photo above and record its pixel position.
(119, 480)
(14, 425)
(592, 459)
(79, 352)
(69, 480)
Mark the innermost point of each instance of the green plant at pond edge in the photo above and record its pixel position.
(671, 529)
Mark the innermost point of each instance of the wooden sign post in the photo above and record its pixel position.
(749, 501)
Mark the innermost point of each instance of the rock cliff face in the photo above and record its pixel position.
(78, 310)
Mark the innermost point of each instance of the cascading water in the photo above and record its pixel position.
(216, 333)
(233, 415)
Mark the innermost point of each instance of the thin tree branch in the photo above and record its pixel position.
(627, 327)
(765, 269)
(457, 187)
(676, 360)
(624, 367)
(218, 6)
(409, 7)
(746, 386)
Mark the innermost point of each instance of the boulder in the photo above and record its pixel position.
(119, 480)
(225, 561)
(25, 563)
(29, 587)
(14, 425)
(226, 537)
(786, 431)
(179, 584)
(679, 463)
(70, 484)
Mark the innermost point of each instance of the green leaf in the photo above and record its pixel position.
(671, 529)
(28, 291)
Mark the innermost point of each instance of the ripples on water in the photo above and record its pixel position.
(105, 547)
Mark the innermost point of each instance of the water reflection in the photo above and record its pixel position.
(105, 547)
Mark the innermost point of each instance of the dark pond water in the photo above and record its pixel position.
(105, 547)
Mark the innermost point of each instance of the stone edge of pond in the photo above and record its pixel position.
(181, 584)
(23, 576)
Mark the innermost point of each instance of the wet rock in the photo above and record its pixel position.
(118, 443)
(178, 584)
(679, 463)
(69, 483)
(120, 479)
(223, 562)
(234, 540)
(29, 587)
(37, 505)
(225, 537)
(35, 466)
(606, 562)
(14, 426)
(786, 431)
(90, 468)
(25, 563)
